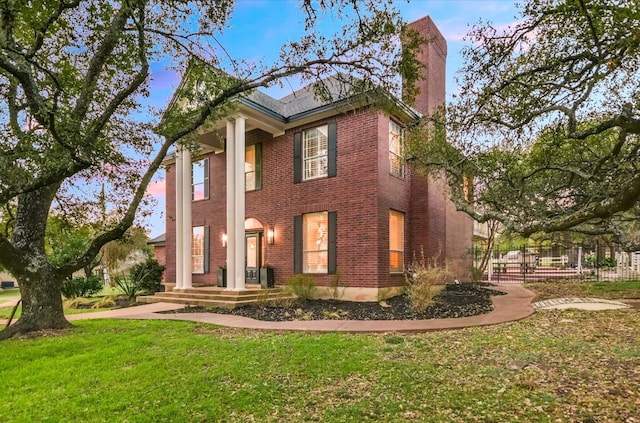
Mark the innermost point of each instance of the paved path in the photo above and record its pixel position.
(515, 305)
(579, 303)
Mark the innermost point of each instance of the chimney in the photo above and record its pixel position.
(433, 55)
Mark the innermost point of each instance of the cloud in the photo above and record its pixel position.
(157, 189)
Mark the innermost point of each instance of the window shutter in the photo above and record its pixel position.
(259, 166)
(331, 159)
(206, 179)
(297, 244)
(297, 158)
(206, 249)
(332, 243)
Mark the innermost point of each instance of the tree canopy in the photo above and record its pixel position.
(546, 123)
(73, 78)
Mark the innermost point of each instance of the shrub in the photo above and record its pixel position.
(421, 280)
(81, 287)
(106, 302)
(608, 262)
(130, 287)
(149, 275)
(302, 286)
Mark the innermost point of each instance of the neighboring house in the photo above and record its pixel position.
(159, 251)
(316, 188)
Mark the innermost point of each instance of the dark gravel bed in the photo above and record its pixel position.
(456, 300)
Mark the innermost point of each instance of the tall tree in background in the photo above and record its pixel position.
(547, 122)
(73, 77)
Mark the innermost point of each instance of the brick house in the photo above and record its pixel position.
(312, 187)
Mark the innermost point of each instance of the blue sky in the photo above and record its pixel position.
(258, 28)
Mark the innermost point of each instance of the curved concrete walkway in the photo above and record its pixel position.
(515, 305)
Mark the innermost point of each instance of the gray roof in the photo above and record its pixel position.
(160, 239)
(336, 89)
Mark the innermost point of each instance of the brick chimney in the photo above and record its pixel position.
(436, 227)
(434, 56)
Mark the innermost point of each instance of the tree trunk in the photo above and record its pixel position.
(41, 305)
(38, 280)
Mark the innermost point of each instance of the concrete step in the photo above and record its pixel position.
(217, 297)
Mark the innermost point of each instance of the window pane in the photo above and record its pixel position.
(197, 249)
(198, 180)
(251, 165)
(396, 241)
(396, 159)
(315, 149)
(315, 243)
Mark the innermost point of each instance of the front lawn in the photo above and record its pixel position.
(613, 290)
(554, 366)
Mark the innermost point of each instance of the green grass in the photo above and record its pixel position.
(609, 290)
(9, 292)
(554, 366)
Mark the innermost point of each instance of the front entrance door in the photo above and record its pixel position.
(253, 256)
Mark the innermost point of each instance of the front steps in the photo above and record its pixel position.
(213, 297)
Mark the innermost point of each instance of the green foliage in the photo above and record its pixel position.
(149, 274)
(422, 279)
(143, 278)
(129, 287)
(302, 286)
(81, 287)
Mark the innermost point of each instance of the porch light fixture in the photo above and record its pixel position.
(224, 240)
(271, 237)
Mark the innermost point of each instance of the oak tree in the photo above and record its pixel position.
(547, 122)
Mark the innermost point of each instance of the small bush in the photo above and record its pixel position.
(336, 291)
(144, 278)
(149, 275)
(81, 287)
(302, 286)
(72, 303)
(130, 287)
(106, 302)
(608, 262)
(421, 280)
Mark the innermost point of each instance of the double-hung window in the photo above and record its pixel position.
(200, 180)
(315, 147)
(396, 241)
(396, 158)
(253, 167)
(315, 244)
(315, 228)
(198, 249)
(314, 153)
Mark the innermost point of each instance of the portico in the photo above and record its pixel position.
(232, 131)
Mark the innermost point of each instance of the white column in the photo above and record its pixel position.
(186, 219)
(230, 145)
(178, 221)
(239, 203)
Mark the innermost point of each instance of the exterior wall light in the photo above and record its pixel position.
(224, 240)
(271, 238)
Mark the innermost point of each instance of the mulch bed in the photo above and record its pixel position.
(455, 300)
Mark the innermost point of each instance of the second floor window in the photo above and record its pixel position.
(396, 158)
(253, 167)
(200, 180)
(315, 147)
